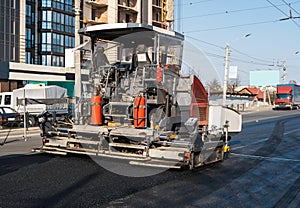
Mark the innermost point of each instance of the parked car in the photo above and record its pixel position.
(9, 117)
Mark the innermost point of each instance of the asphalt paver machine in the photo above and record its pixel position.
(136, 103)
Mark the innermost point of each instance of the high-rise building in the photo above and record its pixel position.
(12, 30)
(12, 39)
(35, 33)
(159, 13)
(50, 29)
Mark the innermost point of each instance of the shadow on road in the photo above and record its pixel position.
(11, 164)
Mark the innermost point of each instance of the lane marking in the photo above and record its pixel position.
(286, 133)
(252, 143)
(265, 158)
(261, 140)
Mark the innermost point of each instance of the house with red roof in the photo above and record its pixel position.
(253, 92)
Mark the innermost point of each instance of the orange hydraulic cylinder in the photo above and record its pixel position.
(96, 117)
(139, 112)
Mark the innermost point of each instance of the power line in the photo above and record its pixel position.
(258, 59)
(192, 3)
(233, 11)
(261, 62)
(289, 4)
(283, 13)
(233, 26)
(249, 62)
(212, 44)
(228, 12)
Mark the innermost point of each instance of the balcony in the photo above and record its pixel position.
(98, 3)
(128, 6)
(127, 9)
(156, 7)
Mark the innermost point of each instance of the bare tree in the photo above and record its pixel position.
(214, 86)
(233, 83)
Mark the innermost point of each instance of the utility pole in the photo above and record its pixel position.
(284, 71)
(225, 74)
(77, 87)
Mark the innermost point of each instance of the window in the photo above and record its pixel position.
(28, 14)
(127, 18)
(46, 60)
(46, 3)
(9, 110)
(49, 16)
(28, 57)
(28, 38)
(7, 99)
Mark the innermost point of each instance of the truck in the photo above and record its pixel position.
(39, 98)
(137, 106)
(288, 96)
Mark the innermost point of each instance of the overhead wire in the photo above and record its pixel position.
(283, 13)
(212, 44)
(232, 26)
(197, 2)
(258, 59)
(233, 11)
(261, 62)
(289, 4)
(228, 12)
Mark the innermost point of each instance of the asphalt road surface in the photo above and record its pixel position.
(263, 170)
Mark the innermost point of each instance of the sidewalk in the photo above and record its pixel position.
(13, 143)
(253, 109)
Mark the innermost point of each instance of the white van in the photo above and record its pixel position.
(6, 99)
(10, 99)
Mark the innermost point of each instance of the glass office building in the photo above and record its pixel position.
(30, 34)
(50, 29)
(10, 35)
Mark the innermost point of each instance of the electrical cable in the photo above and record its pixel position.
(192, 3)
(228, 12)
(233, 26)
(289, 4)
(261, 61)
(288, 17)
(233, 11)
(248, 55)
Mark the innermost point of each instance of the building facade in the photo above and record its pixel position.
(12, 39)
(37, 32)
(159, 13)
(12, 30)
(50, 29)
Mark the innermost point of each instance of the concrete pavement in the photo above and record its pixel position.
(13, 142)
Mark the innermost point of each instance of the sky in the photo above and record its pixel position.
(208, 25)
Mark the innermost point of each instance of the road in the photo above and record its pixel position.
(263, 170)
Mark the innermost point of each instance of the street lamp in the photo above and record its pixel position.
(226, 68)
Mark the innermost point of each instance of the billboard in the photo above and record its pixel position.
(233, 72)
(264, 77)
